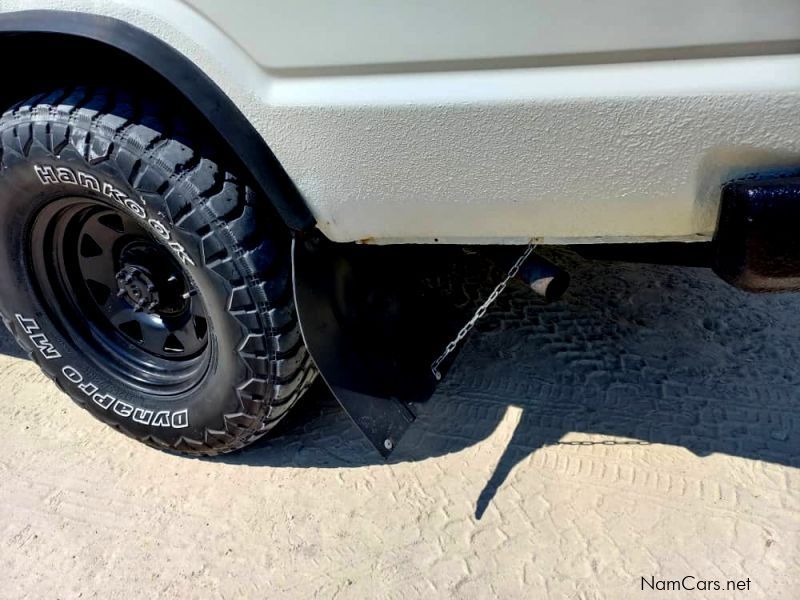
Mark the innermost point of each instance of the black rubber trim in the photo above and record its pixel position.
(189, 80)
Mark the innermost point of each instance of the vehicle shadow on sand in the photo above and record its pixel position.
(643, 353)
(9, 346)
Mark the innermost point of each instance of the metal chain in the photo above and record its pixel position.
(512, 272)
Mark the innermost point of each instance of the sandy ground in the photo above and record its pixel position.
(646, 426)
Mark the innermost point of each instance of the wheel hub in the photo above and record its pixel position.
(137, 288)
(121, 290)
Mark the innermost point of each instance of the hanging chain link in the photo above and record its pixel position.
(512, 272)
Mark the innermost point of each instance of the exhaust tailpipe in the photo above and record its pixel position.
(546, 279)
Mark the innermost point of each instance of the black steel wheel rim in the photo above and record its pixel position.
(120, 294)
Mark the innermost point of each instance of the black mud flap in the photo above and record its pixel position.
(373, 319)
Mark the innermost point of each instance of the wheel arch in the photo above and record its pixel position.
(49, 47)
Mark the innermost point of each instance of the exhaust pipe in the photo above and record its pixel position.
(546, 279)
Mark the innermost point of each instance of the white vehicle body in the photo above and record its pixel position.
(496, 122)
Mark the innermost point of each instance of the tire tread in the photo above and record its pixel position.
(156, 154)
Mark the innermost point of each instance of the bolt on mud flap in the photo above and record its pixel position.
(372, 322)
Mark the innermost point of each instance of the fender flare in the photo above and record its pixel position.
(192, 83)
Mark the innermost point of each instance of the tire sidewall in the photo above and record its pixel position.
(23, 194)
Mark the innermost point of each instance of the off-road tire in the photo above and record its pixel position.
(106, 145)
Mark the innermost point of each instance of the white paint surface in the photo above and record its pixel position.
(591, 153)
(318, 33)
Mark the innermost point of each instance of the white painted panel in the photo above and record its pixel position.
(591, 153)
(320, 33)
